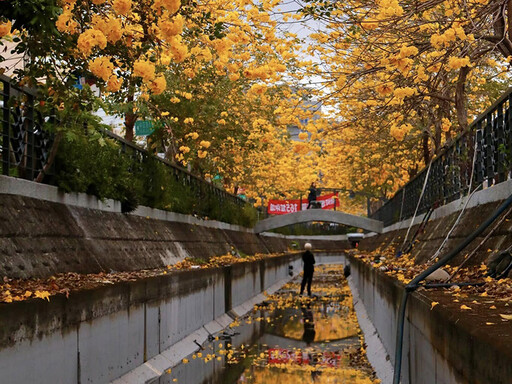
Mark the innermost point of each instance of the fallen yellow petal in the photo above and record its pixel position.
(464, 307)
(434, 303)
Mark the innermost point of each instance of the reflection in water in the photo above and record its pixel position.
(309, 324)
(288, 339)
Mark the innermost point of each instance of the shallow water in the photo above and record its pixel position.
(286, 339)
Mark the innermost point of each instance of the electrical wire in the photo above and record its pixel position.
(469, 196)
(417, 207)
(414, 284)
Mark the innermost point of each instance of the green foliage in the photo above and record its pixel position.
(88, 165)
(96, 165)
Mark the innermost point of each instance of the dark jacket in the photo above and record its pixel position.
(312, 194)
(309, 260)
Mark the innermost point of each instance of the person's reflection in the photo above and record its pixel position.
(309, 336)
(309, 324)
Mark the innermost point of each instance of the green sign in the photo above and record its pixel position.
(144, 128)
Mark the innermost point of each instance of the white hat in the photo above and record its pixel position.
(308, 246)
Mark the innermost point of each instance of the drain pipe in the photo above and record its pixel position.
(414, 284)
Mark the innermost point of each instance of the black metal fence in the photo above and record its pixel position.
(200, 187)
(450, 173)
(26, 145)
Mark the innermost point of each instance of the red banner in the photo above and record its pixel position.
(282, 207)
(287, 356)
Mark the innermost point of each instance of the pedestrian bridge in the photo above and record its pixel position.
(319, 215)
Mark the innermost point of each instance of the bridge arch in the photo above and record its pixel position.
(319, 215)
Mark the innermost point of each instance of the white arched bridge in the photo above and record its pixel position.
(319, 215)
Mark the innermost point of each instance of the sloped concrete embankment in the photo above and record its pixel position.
(44, 232)
(481, 205)
(441, 344)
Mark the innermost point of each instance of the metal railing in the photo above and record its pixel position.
(449, 179)
(199, 186)
(26, 146)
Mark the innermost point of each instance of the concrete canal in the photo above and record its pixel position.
(286, 339)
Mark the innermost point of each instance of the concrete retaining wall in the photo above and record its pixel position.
(441, 345)
(134, 329)
(40, 238)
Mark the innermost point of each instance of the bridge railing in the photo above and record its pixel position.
(25, 145)
(449, 179)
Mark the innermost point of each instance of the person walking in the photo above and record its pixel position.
(309, 261)
(312, 194)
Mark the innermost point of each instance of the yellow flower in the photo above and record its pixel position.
(111, 27)
(64, 23)
(158, 85)
(101, 67)
(122, 7)
(175, 100)
(445, 124)
(385, 89)
(205, 144)
(404, 92)
(89, 39)
(172, 28)
(144, 69)
(114, 84)
(188, 120)
(187, 95)
(171, 5)
(201, 154)
(178, 49)
(458, 62)
(234, 77)
(184, 149)
(221, 122)
(5, 28)
(303, 135)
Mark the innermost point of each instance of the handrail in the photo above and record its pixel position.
(25, 145)
(491, 132)
(137, 148)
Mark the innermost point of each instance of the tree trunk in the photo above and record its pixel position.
(426, 149)
(51, 157)
(460, 99)
(129, 120)
(509, 19)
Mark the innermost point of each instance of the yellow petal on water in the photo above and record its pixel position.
(464, 307)
(434, 303)
(506, 317)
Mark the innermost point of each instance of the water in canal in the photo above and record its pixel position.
(286, 339)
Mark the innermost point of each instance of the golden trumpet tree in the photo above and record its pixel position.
(219, 77)
(403, 79)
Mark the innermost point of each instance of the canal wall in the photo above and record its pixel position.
(131, 331)
(442, 344)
